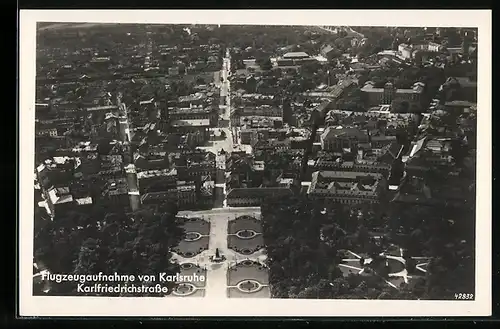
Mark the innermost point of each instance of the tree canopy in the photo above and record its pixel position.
(303, 246)
(306, 238)
(135, 243)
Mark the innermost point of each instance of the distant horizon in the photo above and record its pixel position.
(55, 24)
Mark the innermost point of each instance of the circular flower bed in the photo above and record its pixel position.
(187, 266)
(247, 263)
(246, 234)
(246, 251)
(249, 286)
(184, 289)
(192, 236)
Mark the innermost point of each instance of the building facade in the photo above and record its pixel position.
(339, 138)
(405, 51)
(346, 187)
(389, 94)
(253, 197)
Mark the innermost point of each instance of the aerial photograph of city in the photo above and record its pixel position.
(254, 161)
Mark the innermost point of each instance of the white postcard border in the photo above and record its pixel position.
(30, 305)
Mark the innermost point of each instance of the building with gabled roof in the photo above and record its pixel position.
(295, 55)
(346, 187)
(339, 137)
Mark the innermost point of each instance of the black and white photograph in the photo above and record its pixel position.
(256, 168)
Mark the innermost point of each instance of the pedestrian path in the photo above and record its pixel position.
(216, 280)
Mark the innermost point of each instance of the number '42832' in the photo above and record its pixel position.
(464, 296)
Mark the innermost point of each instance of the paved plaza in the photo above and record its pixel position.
(238, 275)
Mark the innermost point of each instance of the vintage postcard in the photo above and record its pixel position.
(255, 163)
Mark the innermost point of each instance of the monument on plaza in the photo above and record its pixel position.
(217, 257)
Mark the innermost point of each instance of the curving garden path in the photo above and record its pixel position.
(394, 260)
(236, 233)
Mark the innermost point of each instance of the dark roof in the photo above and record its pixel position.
(331, 132)
(260, 192)
(152, 196)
